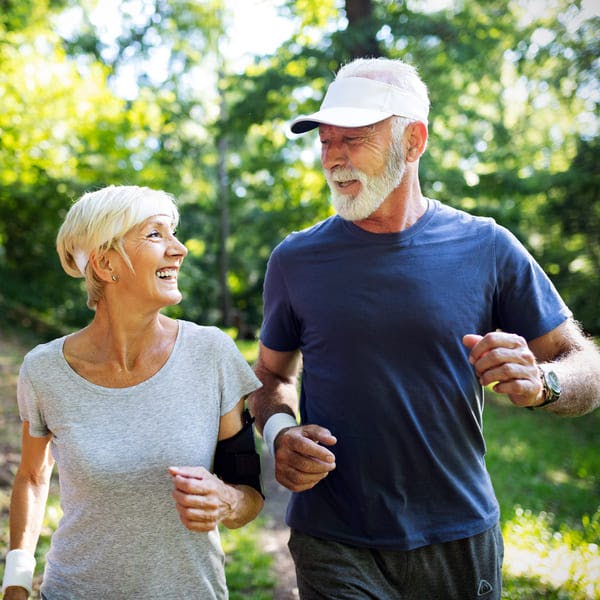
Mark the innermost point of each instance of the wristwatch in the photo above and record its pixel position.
(551, 387)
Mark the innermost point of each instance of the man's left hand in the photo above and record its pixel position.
(506, 361)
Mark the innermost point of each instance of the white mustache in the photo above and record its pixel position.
(344, 174)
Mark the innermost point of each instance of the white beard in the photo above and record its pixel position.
(373, 190)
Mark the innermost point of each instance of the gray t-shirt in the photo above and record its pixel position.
(120, 536)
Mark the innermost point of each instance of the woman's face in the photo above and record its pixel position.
(156, 255)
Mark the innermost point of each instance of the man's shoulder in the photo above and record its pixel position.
(460, 225)
(460, 215)
(310, 236)
(454, 224)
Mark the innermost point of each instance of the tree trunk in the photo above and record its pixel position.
(224, 226)
(361, 31)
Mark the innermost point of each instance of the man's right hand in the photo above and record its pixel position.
(301, 461)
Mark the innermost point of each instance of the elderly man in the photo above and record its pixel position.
(401, 309)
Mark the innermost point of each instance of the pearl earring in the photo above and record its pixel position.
(114, 277)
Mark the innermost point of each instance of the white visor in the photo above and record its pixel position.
(358, 101)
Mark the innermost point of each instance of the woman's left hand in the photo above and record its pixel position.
(202, 499)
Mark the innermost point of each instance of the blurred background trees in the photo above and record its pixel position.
(145, 92)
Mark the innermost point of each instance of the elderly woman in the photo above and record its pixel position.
(136, 409)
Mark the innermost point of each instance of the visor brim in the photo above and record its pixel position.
(340, 116)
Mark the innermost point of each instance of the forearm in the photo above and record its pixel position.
(27, 508)
(579, 376)
(279, 392)
(268, 400)
(244, 504)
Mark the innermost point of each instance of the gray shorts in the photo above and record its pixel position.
(465, 569)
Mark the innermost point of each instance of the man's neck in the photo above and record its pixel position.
(399, 211)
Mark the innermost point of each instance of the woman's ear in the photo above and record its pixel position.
(102, 267)
(416, 141)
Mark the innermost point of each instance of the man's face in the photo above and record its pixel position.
(362, 165)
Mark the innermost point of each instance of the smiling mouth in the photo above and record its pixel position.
(346, 183)
(167, 274)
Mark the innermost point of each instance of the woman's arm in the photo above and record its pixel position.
(248, 501)
(203, 500)
(29, 496)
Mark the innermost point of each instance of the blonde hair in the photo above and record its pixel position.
(97, 223)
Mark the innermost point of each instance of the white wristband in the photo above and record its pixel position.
(19, 569)
(275, 423)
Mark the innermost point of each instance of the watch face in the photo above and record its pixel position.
(553, 382)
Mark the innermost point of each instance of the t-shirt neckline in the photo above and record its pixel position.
(71, 373)
(397, 237)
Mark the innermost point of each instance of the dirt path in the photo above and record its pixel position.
(276, 533)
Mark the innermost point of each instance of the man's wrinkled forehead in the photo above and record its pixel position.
(327, 129)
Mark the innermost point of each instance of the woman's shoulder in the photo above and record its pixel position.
(205, 343)
(204, 334)
(45, 352)
(42, 362)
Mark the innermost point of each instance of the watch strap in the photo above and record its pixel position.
(551, 390)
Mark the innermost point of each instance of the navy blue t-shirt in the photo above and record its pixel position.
(379, 319)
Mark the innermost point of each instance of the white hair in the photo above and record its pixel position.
(98, 222)
(394, 72)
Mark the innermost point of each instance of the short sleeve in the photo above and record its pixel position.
(29, 404)
(280, 329)
(236, 378)
(526, 300)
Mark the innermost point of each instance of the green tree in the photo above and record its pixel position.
(571, 246)
(513, 126)
(512, 97)
(58, 127)
(68, 128)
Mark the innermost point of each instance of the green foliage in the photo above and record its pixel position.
(549, 499)
(537, 473)
(513, 133)
(15, 15)
(570, 250)
(546, 557)
(247, 568)
(512, 100)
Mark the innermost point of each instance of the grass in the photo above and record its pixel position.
(248, 569)
(545, 471)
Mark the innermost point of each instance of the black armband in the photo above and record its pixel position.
(236, 458)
